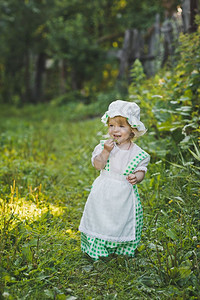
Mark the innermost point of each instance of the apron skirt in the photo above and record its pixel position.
(112, 220)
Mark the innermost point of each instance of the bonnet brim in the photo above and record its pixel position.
(132, 120)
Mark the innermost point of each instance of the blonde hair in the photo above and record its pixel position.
(135, 134)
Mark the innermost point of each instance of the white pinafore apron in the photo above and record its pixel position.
(113, 204)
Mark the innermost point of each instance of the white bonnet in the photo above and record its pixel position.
(128, 110)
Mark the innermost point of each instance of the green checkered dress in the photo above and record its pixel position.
(95, 245)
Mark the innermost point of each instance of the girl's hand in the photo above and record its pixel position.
(101, 159)
(108, 145)
(136, 177)
(132, 179)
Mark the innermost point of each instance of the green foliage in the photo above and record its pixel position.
(23, 36)
(170, 101)
(144, 14)
(61, 45)
(77, 110)
(83, 59)
(137, 74)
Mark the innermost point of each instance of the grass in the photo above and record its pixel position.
(45, 177)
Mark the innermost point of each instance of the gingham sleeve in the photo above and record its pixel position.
(142, 166)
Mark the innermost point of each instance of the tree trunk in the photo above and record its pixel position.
(193, 13)
(40, 68)
(186, 15)
(152, 65)
(137, 45)
(74, 82)
(124, 55)
(168, 43)
(63, 76)
(27, 95)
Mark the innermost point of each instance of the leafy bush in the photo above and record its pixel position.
(170, 100)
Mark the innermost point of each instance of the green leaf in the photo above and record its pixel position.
(185, 98)
(194, 154)
(49, 294)
(178, 166)
(141, 247)
(197, 154)
(172, 234)
(184, 272)
(179, 198)
(26, 251)
(157, 96)
(61, 297)
(146, 280)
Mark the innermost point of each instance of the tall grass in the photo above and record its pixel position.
(45, 177)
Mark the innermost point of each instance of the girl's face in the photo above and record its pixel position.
(119, 130)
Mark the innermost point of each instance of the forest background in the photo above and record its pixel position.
(60, 67)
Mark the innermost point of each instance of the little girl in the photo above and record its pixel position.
(112, 219)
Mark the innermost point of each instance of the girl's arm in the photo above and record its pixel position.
(101, 159)
(137, 177)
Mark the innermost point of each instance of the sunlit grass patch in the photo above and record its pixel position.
(29, 208)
